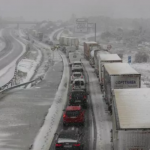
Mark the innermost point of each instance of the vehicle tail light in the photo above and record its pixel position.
(84, 97)
(58, 145)
(64, 115)
(76, 144)
(81, 76)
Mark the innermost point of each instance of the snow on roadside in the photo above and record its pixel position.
(46, 133)
(29, 66)
(141, 68)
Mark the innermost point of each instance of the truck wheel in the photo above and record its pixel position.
(85, 106)
(82, 124)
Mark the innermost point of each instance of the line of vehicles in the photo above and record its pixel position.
(71, 137)
(127, 102)
(112, 75)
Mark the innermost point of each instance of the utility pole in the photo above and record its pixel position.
(95, 32)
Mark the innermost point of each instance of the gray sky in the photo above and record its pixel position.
(62, 9)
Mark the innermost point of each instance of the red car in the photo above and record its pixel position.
(73, 115)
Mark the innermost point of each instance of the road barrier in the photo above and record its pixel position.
(35, 81)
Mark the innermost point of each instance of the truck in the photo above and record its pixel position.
(74, 56)
(88, 47)
(69, 41)
(70, 49)
(96, 59)
(119, 76)
(130, 119)
(106, 58)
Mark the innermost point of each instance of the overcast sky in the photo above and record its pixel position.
(62, 9)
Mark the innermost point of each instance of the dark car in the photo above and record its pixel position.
(73, 115)
(69, 139)
(77, 70)
(78, 97)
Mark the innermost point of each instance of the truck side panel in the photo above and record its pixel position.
(125, 82)
(119, 82)
(101, 69)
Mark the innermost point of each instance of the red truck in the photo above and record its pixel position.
(88, 47)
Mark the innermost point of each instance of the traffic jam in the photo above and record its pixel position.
(116, 80)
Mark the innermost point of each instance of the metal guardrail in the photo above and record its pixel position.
(23, 84)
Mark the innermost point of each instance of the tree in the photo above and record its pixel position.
(141, 57)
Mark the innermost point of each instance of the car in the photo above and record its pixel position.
(78, 97)
(79, 84)
(76, 75)
(73, 115)
(69, 139)
(75, 69)
(76, 64)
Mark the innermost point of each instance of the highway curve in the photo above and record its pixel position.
(12, 50)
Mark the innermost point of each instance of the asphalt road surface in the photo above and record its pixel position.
(87, 130)
(12, 50)
(22, 112)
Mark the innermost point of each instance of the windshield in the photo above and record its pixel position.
(74, 113)
(78, 64)
(68, 135)
(77, 75)
(78, 83)
(78, 95)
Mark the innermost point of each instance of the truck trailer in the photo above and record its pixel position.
(69, 41)
(119, 76)
(103, 59)
(130, 119)
(74, 56)
(96, 59)
(88, 47)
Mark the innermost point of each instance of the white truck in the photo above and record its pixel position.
(69, 49)
(96, 59)
(106, 58)
(119, 76)
(74, 56)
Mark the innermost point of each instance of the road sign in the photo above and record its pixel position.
(81, 25)
(91, 25)
(129, 59)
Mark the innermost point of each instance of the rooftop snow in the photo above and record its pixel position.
(119, 69)
(132, 107)
(109, 57)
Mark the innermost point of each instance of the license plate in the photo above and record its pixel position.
(73, 117)
(68, 146)
(78, 101)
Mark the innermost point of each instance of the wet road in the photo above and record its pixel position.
(87, 130)
(22, 112)
(12, 50)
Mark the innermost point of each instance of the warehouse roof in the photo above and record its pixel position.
(109, 57)
(132, 108)
(119, 69)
